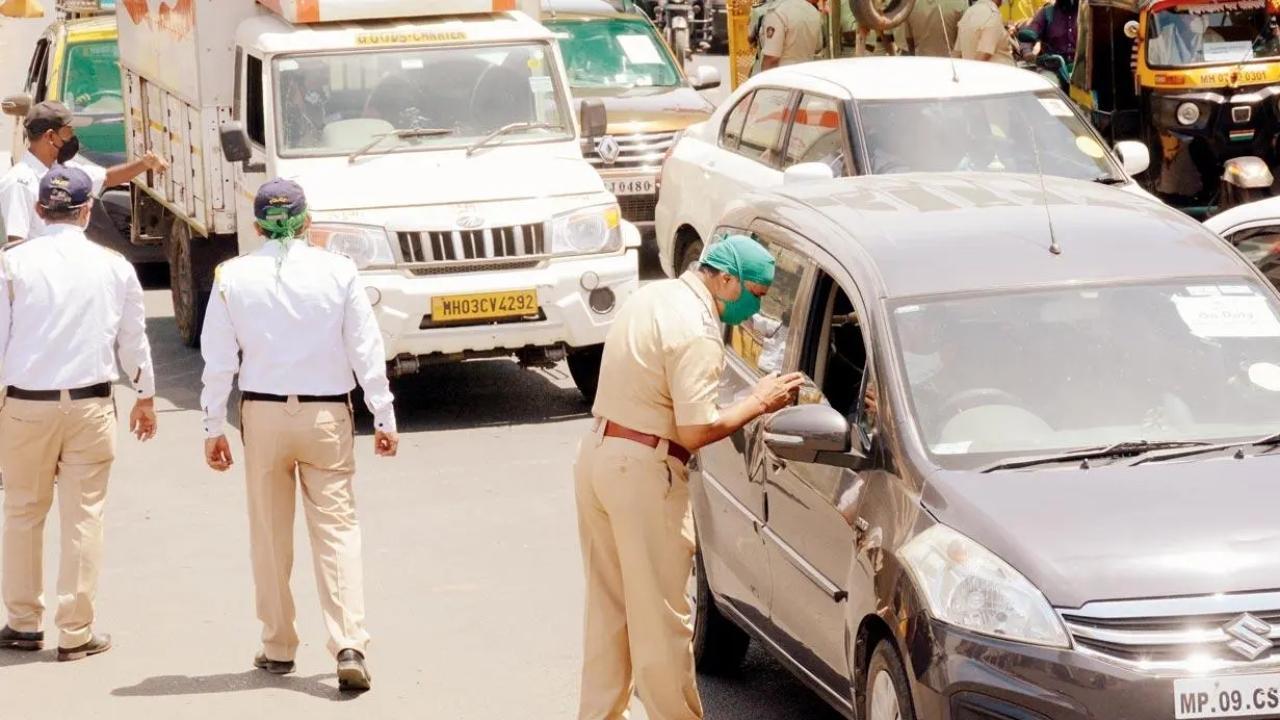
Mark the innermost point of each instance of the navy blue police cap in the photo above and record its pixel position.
(65, 188)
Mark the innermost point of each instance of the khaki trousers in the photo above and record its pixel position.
(307, 445)
(75, 442)
(636, 529)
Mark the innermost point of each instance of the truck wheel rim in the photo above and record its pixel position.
(884, 698)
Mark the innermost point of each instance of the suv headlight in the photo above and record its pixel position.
(591, 230)
(367, 245)
(966, 585)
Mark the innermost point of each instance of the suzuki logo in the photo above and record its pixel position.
(608, 149)
(470, 222)
(1252, 637)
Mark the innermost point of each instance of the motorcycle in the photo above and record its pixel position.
(676, 19)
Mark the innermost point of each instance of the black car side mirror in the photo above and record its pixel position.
(236, 147)
(593, 117)
(812, 434)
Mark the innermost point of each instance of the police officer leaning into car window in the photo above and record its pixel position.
(293, 320)
(67, 307)
(656, 406)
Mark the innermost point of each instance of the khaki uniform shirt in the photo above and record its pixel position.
(982, 30)
(933, 26)
(792, 32)
(662, 359)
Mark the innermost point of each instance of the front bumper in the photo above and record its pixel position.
(404, 306)
(958, 675)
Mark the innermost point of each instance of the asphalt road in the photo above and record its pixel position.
(473, 578)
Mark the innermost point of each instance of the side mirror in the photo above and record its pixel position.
(808, 433)
(16, 105)
(593, 118)
(236, 147)
(705, 77)
(807, 172)
(1248, 173)
(1131, 29)
(1135, 157)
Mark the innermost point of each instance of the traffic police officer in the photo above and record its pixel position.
(51, 138)
(293, 320)
(655, 407)
(791, 32)
(57, 417)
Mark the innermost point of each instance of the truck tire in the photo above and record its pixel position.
(192, 259)
(584, 367)
(719, 646)
(872, 16)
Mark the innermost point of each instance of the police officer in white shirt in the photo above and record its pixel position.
(67, 306)
(51, 139)
(294, 321)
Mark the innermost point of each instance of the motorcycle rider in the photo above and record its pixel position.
(1054, 28)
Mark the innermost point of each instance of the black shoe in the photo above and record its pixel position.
(97, 645)
(353, 676)
(275, 667)
(11, 639)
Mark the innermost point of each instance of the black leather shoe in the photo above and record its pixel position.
(97, 645)
(275, 667)
(353, 676)
(11, 639)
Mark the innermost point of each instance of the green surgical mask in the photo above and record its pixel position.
(741, 308)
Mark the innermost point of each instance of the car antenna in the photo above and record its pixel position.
(942, 20)
(1054, 247)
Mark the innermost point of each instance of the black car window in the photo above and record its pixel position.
(766, 119)
(761, 341)
(731, 132)
(817, 134)
(835, 354)
(1261, 245)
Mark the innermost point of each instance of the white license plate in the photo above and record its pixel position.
(1229, 696)
(632, 186)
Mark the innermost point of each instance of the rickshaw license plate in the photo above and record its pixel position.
(632, 186)
(484, 306)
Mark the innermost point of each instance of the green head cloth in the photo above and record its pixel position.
(743, 257)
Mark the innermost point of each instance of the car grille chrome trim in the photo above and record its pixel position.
(641, 150)
(471, 246)
(1179, 635)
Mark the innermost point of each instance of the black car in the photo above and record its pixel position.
(1033, 474)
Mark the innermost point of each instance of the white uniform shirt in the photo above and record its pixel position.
(300, 325)
(66, 303)
(20, 188)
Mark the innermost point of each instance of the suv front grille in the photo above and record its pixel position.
(638, 208)
(496, 243)
(642, 150)
(1178, 634)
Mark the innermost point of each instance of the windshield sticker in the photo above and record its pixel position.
(1056, 107)
(1265, 375)
(411, 63)
(287, 65)
(906, 309)
(1237, 290)
(639, 49)
(952, 448)
(541, 84)
(1202, 291)
(1090, 147)
(1237, 51)
(1228, 317)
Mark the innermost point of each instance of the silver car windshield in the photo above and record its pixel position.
(1030, 373)
(1025, 132)
(335, 104)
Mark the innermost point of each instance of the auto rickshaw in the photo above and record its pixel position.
(841, 16)
(1196, 80)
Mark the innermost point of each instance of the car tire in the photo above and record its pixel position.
(719, 646)
(688, 256)
(887, 694)
(584, 367)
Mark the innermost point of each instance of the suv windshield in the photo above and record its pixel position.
(336, 104)
(1021, 133)
(1211, 34)
(1020, 374)
(91, 87)
(617, 54)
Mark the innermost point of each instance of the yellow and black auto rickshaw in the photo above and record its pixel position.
(1197, 80)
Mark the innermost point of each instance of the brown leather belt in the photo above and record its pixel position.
(614, 430)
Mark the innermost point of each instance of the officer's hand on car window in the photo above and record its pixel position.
(217, 453)
(776, 391)
(385, 444)
(142, 420)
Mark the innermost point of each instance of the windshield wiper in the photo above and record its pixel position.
(400, 134)
(1109, 180)
(1268, 441)
(1120, 449)
(510, 127)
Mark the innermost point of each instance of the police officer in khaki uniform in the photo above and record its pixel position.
(293, 320)
(655, 407)
(67, 307)
(790, 33)
(982, 35)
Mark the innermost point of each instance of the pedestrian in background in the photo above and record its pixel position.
(293, 320)
(981, 34)
(67, 305)
(933, 27)
(51, 138)
(656, 406)
(791, 32)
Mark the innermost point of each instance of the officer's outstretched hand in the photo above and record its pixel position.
(385, 444)
(217, 452)
(776, 391)
(142, 420)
